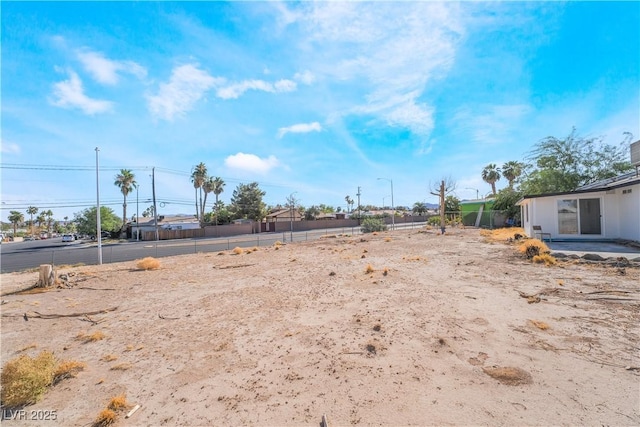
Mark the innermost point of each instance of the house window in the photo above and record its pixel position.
(579, 216)
(568, 216)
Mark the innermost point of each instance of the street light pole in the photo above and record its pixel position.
(98, 226)
(137, 216)
(291, 207)
(393, 211)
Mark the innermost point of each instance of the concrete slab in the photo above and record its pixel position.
(604, 249)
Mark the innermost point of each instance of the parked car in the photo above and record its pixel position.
(67, 238)
(28, 238)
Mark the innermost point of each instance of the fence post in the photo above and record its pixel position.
(53, 257)
(258, 240)
(228, 244)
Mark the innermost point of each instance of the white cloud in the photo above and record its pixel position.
(70, 94)
(9, 147)
(305, 77)
(105, 70)
(235, 90)
(187, 85)
(392, 52)
(251, 163)
(300, 128)
(492, 124)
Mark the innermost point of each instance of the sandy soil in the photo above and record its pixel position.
(440, 333)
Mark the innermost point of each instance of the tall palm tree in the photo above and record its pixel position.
(218, 188)
(32, 210)
(15, 218)
(198, 176)
(349, 201)
(207, 187)
(126, 182)
(490, 175)
(40, 220)
(512, 170)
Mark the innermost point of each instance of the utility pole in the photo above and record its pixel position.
(441, 194)
(155, 208)
(98, 227)
(358, 194)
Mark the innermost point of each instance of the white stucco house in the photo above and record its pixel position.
(605, 210)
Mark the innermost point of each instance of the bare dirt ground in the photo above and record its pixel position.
(447, 330)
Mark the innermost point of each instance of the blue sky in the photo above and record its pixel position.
(313, 98)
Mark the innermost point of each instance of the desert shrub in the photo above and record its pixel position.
(545, 259)
(25, 379)
(370, 225)
(118, 402)
(533, 247)
(369, 269)
(433, 221)
(96, 336)
(121, 367)
(238, 250)
(105, 418)
(67, 369)
(148, 263)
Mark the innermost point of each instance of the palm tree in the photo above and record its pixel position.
(32, 210)
(49, 215)
(218, 188)
(490, 175)
(349, 201)
(16, 218)
(126, 181)
(198, 176)
(40, 220)
(207, 186)
(419, 208)
(512, 170)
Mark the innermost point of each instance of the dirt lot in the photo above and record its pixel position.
(446, 330)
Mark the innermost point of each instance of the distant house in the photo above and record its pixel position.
(607, 209)
(165, 222)
(284, 215)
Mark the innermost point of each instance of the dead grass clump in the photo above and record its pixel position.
(545, 259)
(369, 269)
(67, 369)
(96, 336)
(237, 250)
(106, 417)
(509, 375)
(109, 358)
(387, 239)
(25, 379)
(385, 271)
(118, 402)
(148, 263)
(533, 247)
(121, 367)
(540, 325)
(502, 234)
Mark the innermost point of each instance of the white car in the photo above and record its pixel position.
(67, 238)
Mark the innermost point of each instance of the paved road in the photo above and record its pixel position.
(18, 256)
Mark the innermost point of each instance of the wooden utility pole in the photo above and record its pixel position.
(441, 193)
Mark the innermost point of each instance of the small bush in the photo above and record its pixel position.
(533, 247)
(148, 263)
(67, 369)
(238, 250)
(385, 271)
(369, 269)
(25, 379)
(96, 336)
(545, 259)
(105, 418)
(371, 225)
(387, 239)
(118, 402)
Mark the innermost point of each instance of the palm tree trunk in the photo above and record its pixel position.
(124, 213)
(197, 211)
(493, 188)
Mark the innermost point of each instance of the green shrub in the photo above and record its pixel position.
(26, 379)
(369, 225)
